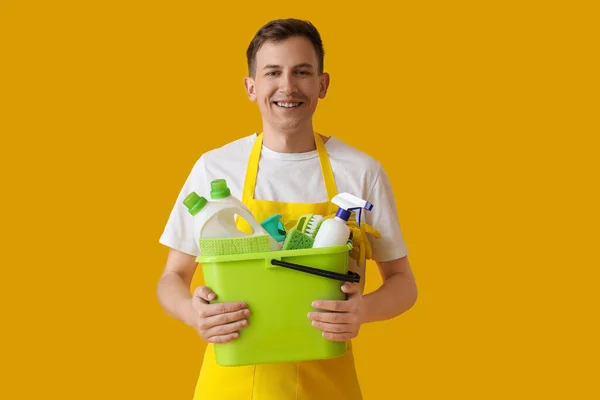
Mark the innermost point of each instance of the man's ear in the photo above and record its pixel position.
(250, 88)
(324, 85)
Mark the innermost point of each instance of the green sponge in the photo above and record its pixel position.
(296, 240)
(241, 245)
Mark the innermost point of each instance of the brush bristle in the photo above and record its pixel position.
(313, 225)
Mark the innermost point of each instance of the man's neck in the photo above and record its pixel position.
(299, 140)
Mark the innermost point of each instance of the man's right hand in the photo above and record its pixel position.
(220, 322)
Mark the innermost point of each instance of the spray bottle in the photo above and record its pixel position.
(334, 231)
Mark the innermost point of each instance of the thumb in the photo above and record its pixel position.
(350, 287)
(204, 293)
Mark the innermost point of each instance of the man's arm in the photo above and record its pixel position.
(174, 285)
(397, 294)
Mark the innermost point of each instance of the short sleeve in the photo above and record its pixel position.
(384, 218)
(178, 232)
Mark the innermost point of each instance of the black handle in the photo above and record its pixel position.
(350, 277)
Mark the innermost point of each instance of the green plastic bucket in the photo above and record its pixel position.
(279, 288)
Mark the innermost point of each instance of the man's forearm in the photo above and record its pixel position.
(396, 295)
(174, 296)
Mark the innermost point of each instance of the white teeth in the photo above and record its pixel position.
(287, 105)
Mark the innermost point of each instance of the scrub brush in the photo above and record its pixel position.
(309, 224)
(303, 222)
(313, 225)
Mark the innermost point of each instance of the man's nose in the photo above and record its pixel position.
(287, 83)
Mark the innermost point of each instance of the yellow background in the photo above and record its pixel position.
(485, 116)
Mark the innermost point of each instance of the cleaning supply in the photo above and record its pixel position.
(361, 246)
(334, 231)
(274, 227)
(279, 288)
(296, 240)
(309, 224)
(220, 192)
(216, 220)
(313, 226)
(239, 245)
(203, 211)
(302, 222)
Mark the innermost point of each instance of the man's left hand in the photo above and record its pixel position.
(344, 322)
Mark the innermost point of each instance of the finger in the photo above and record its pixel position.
(226, 329)
(332, 305)
(204, 293)
(333, 328)
(222, 319)
(221, 308)
(335, 318)
(223, 338)
(339, 337)
(350, 287)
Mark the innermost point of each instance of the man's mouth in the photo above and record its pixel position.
(285, 104)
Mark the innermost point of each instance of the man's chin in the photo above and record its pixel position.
(289, 123)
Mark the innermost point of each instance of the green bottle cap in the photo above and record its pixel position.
(194, 203)
(219, 189)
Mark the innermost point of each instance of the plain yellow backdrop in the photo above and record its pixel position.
(485, 116)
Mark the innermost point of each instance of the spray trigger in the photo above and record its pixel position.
(358, 211)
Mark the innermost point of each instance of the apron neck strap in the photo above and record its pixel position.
(252, 169)
(325, 168)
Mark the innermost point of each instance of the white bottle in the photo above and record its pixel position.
(204, 211)
(334, 231)
(219, 192)
(216, 220)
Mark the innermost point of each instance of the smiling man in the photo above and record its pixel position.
(286, 80)
(292, 170)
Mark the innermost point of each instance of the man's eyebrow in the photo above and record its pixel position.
(303, 65)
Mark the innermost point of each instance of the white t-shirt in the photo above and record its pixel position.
(292, 177)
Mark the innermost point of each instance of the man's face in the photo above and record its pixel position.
(286, 83)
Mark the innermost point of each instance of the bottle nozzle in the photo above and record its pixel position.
(343, 214)
(349, 203)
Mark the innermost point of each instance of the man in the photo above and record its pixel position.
(286, 168)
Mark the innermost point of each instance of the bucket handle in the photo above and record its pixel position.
(350, 277)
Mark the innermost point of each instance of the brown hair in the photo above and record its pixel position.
(279, 30)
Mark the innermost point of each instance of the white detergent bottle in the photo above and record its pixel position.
(216, 220)
(204, 211)
(334, 231)
(220, 192)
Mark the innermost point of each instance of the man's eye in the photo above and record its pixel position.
(272, 73)
(302, 72)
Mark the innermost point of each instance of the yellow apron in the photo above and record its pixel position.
(333, 379)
